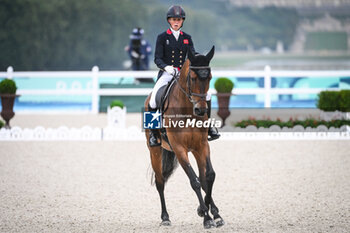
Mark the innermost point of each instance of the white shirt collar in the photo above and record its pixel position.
(175, 33)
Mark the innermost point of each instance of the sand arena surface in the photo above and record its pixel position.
(265, 186)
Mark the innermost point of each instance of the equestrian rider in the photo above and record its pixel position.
(171, 51)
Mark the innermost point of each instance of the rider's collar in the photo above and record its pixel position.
(170, 31)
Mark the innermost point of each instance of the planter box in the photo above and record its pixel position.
(116, 117)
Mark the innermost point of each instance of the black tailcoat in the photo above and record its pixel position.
(172, 52)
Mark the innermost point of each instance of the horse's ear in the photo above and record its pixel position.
(210, 55)
(191, 55)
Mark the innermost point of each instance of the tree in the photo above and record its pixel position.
(64, 34)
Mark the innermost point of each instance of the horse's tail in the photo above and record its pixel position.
(169, 163)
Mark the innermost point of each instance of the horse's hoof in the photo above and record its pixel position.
(209, 224)
(165, 223)
(219, 222)
(200, 212)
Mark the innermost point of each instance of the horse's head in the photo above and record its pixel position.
(198, 79)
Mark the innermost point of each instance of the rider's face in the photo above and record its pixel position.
(175, 23)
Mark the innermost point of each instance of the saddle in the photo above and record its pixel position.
(163, 94)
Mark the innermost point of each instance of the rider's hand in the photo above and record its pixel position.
(170, 70)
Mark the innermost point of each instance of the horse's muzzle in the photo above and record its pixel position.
(199, 111)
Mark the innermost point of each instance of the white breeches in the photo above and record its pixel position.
(163, 80)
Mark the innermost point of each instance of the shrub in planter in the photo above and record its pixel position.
(8, 86)
(223, 85)
(1, 124)
(344, 100)
(115, 103)
(328, 101)
(224, 88)
(8, 90)
(116, 117)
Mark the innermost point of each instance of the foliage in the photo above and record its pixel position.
(256, 27)
(313, 123)
(331, 101)
(1, 124)
(115, 103)
(8, 86)
(76, 34)
(79, 34)
(237, 27)
(326, 41)
(328, 101)
(223, 85)
(344, 100)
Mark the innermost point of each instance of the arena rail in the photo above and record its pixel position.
(94, 91)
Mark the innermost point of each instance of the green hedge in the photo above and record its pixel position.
(1, 124)
(344, 100)
(331, 101)
(313, 123)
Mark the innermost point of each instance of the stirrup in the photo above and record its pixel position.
(213, 134)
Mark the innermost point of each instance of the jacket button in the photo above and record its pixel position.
(180, 60)
(180, 66)
(173, 51)
(180, 56)
(172, 61)
(180, 51)
(172, 56)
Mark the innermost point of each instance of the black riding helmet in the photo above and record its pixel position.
(176, 12)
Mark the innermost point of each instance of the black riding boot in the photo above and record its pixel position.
(213, 132)
(153, 133)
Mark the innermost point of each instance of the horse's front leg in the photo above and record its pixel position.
(207, 178)
(196, 186)
(210, 178)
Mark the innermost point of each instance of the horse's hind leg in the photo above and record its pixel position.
(207, 178)
(156, 160)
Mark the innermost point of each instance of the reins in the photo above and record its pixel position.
(189, 94)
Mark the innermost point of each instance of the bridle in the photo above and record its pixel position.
(202, 72)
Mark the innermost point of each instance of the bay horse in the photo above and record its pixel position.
(187, 97)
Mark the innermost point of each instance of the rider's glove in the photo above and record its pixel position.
(135, 54)
(170, 70)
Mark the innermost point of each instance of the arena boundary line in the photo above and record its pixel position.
(134, 133)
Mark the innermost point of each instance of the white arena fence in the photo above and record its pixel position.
(116, 130)
(95, 92)
(134, 133)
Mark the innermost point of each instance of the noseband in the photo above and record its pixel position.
(202, 72)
